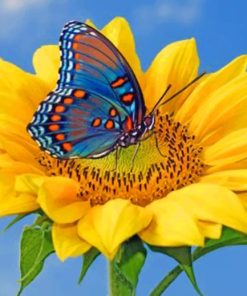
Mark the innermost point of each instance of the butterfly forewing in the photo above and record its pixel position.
(95, 95)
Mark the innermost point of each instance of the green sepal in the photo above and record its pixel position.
(42, 220)
(88, 259)
(229, 237)
(15, 220)
(126, 267)
(36, 245)
(41, 217)
(184, 257)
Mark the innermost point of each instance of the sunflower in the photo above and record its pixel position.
(186, 182)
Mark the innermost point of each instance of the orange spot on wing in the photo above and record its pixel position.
(77, 66)
(59, 109)
(60, 137)
(79, 93)
(77, 56)
(67, 146)
(75, 46)
(54, 127)
(68, 101)
(127, 98)
(113, 112)
(77, 38)
(55, 117)
(109, 124)
(129, 123)
(96, 122)
(119, 82)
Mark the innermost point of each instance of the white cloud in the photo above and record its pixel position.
(164, 11)
(8, 6)
(32, 17)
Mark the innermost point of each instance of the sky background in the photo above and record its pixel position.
(220, 30)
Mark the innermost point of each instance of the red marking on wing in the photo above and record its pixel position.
(60, 137)
(67, 146)
(54, 127)
(75, 46)
(119, 82)
(96, 48)
(89, 60)
(55, 118)
(68, 101)
(109, 124)
(77, 66)
(113, 112)
(127, 98)
(77, 37)
(96, 122)
(79, 93)
(128, 124)
(59, 109)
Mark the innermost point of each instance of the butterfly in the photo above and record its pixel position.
(97, 106)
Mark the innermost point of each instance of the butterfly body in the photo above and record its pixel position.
(133, 136)
(97, 105)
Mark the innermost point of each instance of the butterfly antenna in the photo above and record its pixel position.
(161, 98)
(177, 93)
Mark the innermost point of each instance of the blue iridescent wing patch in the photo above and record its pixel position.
(96, 94)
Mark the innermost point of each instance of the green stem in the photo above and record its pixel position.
(111, 283)
(172, 275)
(118, 284)
(166, 281)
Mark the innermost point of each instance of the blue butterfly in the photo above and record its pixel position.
(97, 105)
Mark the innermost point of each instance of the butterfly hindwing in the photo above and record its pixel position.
(68, 125)
(96, 94)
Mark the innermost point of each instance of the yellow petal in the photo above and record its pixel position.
(213, 203)
(207, 118)
(214, 81)
(18, 151)
(5, 160)
(177, 64)
(18, 204)
(58, 198)
(66, 241)
(12, 203)
(107, 226)
(171, 225)
(29, 183)
(7, 182)
(119, 33)
(13, 133)
(230, 166)
(210, 230)
(46, 64)
(234, 179)
(8, 165)
(18, 99)
(90, 23)
(231, 148)
(243, 198)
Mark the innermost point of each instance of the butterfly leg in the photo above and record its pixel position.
(153, 133)
(134, 155)
(116, 158)
(147, 137)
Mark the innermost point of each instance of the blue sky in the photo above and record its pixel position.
(220, 30)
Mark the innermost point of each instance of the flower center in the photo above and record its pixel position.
(168, 160)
